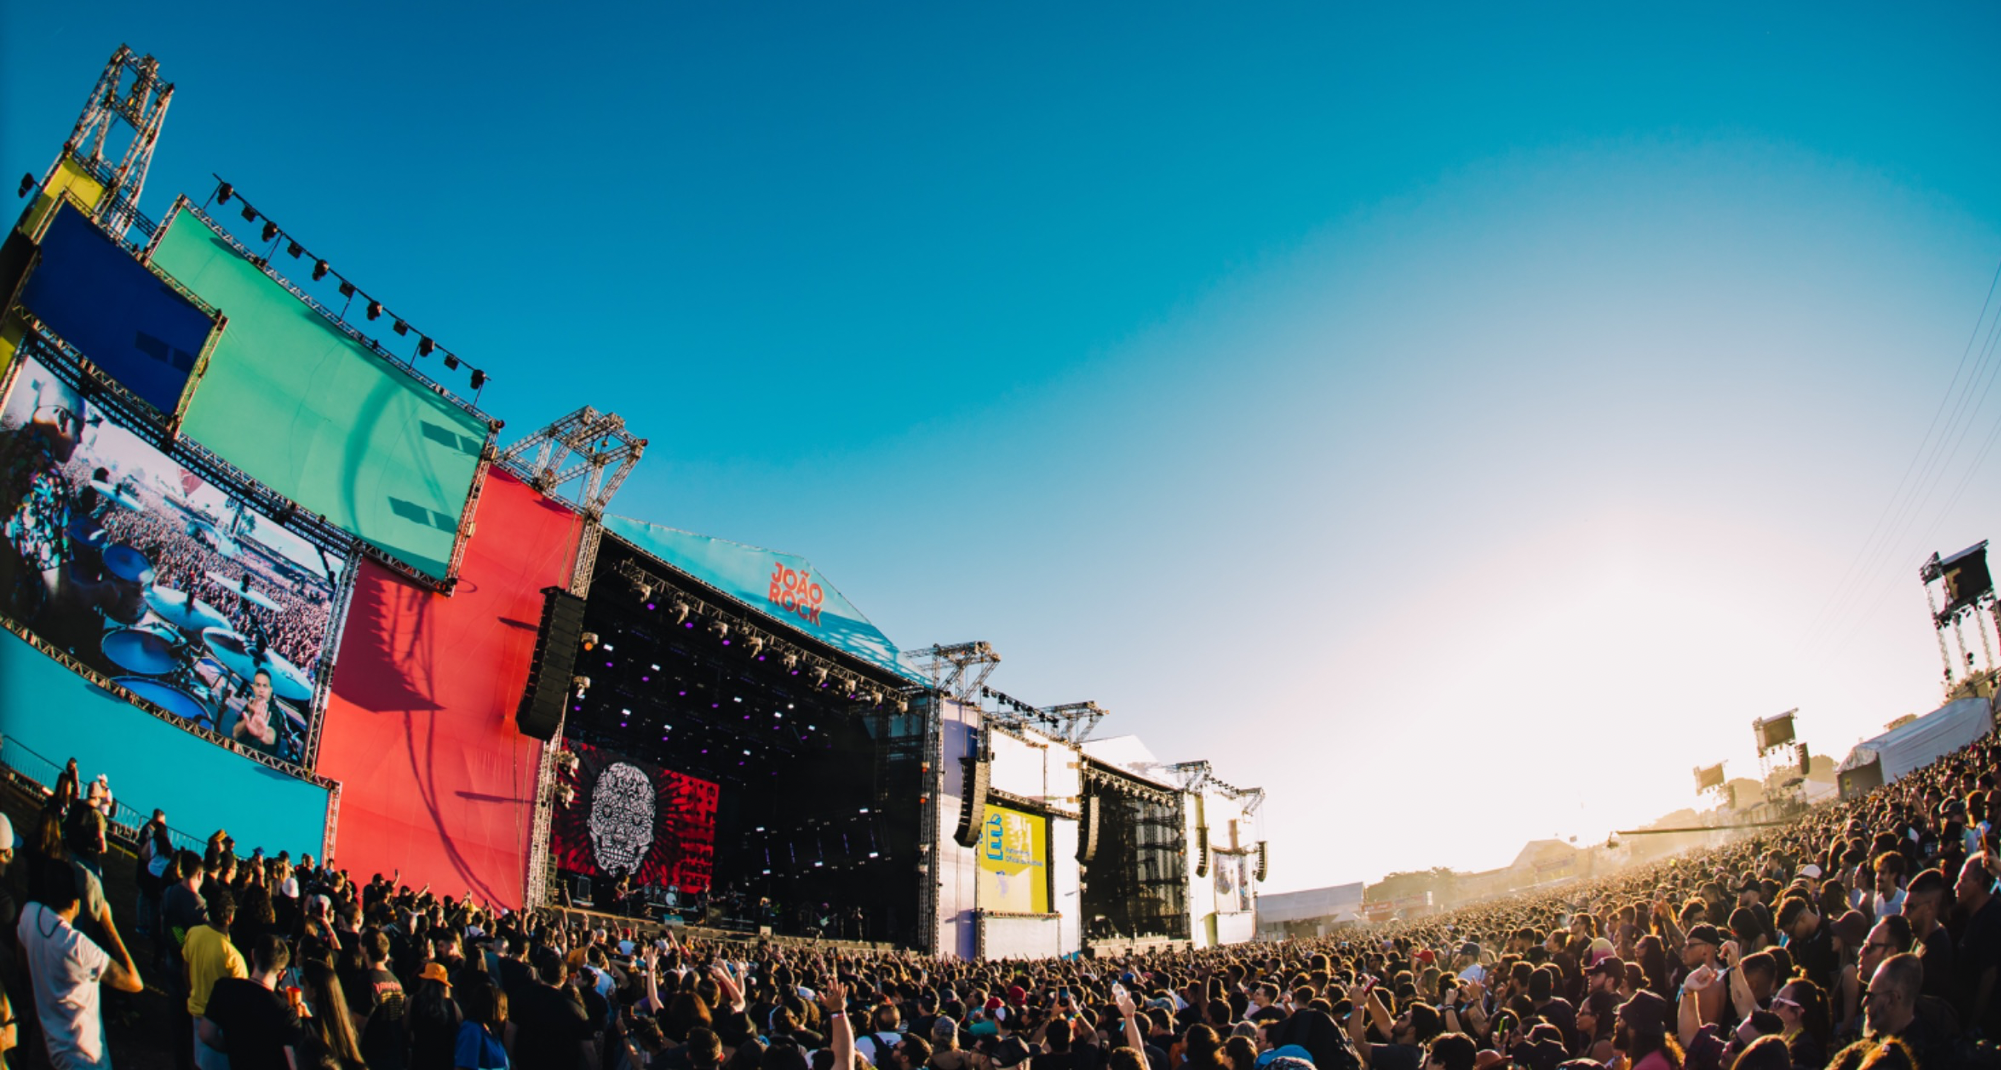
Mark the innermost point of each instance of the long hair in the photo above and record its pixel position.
(1204, 1049)
(1814, 1009)
(330, 1021)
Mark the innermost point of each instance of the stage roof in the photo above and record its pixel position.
(784, 588)
(313, 414)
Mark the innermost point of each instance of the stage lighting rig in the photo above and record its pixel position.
(224, 192)
(374, 309)
(249, 213)
(681, 610)
(270, 230)
(320, 270)
(294, 250)
(754, 644)
(720, 628)
(590, 640)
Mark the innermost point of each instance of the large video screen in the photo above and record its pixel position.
(175, 588)
(1233, 882)
(1014, 862)
(628, 816)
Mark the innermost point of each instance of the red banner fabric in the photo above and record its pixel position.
(435, 779)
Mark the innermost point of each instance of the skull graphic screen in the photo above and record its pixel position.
(630, 816)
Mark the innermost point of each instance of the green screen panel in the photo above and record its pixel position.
(314, 415)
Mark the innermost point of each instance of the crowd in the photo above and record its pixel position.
(1866, 935)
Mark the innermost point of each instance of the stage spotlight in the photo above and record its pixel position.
(401, 327)
(294, 249)
(755, 644)
(249, 213)
(902, 706)
(591, 640)
(222, 193)
(374, 310)
(270, 230)
(478, 379)
(424, 347)
(681, 609)
(346, 288)
(792, 664)
(451, 360)
(720, 627)
(319, 270)
(581, 683)
(819, 676)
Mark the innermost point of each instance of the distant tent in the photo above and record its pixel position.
(1914, 745)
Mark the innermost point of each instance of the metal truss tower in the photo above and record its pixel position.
(586, 444)
(959, 670)
(129, 91)
(1075, 721)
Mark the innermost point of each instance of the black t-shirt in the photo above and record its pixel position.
(384, 1040)
(550, 1026)
(1935, 953)
(1817, 957)
(257, 1024)
(1979, 951)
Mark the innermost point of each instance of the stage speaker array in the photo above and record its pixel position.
(1201, 850)
(1263, 859)
(973, 802)
(1087, 829)
(541, 711)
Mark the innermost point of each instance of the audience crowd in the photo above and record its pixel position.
(1864, 935)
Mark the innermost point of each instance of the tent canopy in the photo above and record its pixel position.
(1918, 743)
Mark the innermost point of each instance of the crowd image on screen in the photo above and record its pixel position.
(1863, 934)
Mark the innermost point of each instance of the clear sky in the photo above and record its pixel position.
(1460, 423)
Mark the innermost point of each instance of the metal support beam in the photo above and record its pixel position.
(958, 669)
(586, 444)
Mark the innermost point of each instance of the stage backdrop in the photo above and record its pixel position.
(318, 417)
(631, 816)
(92, 294)
(1014, 862)
(102, 540)
(420, 731)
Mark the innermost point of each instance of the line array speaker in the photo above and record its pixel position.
(973, 802)
(1087, 829)
(1263, 859)
(541, 711)
(1201, 850)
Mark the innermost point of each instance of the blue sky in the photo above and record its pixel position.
(1459, 418)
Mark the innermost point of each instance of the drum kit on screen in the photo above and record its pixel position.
(182, 653)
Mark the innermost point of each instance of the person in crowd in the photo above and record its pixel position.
(66, 969)
(210, 956)
(250, 1021)
(480, 1041)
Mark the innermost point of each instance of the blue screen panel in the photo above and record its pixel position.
(150, 763)
(99, 299)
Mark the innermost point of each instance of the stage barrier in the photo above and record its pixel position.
(127, 320)
(314, 415)
(435, 778)
(150, 763)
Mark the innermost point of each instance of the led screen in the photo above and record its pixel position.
(1014, 862)
(628, 816)
(175, 588)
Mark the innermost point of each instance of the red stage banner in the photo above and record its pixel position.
(435, 778)
(630, 816)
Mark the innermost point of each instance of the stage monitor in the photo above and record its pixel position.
(1014, 862)
(130, 322)
(1773, 732)
(179, 591)
(1707, 777)
(632, 817)
(317, 416)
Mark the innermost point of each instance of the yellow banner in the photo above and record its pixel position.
(1014, 862)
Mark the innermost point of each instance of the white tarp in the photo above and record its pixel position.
(1925, 740)
(1343, 902)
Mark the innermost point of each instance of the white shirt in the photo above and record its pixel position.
(1886, 906)
(65, 967)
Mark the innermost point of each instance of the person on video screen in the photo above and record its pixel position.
(257, 723)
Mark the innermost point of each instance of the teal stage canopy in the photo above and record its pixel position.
(313, 414)
(151, 763)
(783, 587)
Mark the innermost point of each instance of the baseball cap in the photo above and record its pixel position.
(1610, 966)
(1705, 933)
(1810, 871)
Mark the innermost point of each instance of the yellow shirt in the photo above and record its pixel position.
(210, 957)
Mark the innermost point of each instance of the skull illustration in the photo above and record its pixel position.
(621, 818)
